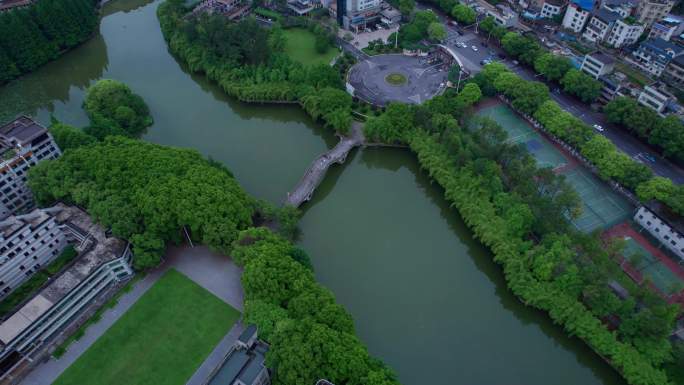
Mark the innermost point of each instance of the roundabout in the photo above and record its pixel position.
(382, 79)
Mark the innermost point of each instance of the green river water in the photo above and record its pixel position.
(426, 297)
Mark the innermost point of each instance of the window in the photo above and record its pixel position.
(673, 243)
(657, 230)
(667, 237)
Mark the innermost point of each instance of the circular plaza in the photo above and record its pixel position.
(382, 79)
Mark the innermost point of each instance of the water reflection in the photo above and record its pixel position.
(55, 81)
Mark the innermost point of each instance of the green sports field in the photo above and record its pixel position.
(300, 46)
(161, 340)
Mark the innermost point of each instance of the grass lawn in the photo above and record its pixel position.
(633, 75)
(162, 339)
(300, 47)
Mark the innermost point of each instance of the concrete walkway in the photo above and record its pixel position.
(316, 171)
(216, 273)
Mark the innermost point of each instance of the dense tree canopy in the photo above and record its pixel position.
(311, 336)
(146, 193)
(114, 109)
(248, 62)
(581, 85)
(30, 37)
(463, 14)
(68, 137)
(666, 133)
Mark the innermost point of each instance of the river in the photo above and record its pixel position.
(425, 296)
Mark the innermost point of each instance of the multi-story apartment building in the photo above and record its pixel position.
(355, 14)
(664, 29)
(661, 230)
(597, 64)
(600, 24)
(27, 243)
(23, 143)
(624, 32)
(650, 11)
(102, 262)
(656, 97)
(575, 17)
(551, 8)
(653, 55)
(674, 72)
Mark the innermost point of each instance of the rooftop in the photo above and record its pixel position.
(587, 5)
(15, 223)
(606, 16)
(9, 4)
(22, 130)
(665, 46)
(102, 250)
(241, 365)
(602, 57)
(557, 3)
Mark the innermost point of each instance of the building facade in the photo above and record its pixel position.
(653, 55)
(551, 8)
(23, 143)
(101, 263)
(503, 16)
(624, 32)
(599, 25)
(674, 72)
(597, 64)
(28, 243)
(656, 97)
(356, 14)
(661, 230)
(575, 18)
(650, 11)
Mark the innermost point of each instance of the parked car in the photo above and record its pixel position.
(474, 48)
(598, 128)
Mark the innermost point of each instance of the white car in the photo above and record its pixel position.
(598, 128)
(474, 48)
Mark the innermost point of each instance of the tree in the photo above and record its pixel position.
(147, 193)
(581, 85)
(115, 110)
(68, 137)
(454, 72)
(553, 67)
(463, 14)
(406, 7)
(437, 31)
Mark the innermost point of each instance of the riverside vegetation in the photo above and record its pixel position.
(39, 33)
(513, 207)
(249, 62)
(147, 193)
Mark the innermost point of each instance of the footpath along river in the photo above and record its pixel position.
(426, 297)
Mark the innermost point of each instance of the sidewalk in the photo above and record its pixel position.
(216, 273)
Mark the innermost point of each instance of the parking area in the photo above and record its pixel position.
(386, 78)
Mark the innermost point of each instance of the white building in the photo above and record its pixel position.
(551, 8)
(650, 11)
(624, 32)
(661, 230)
(503, 16)
(575, 18)
(597, 64)
(656, 97)
(28, 243)
(102, 262)
(355, 14)
(624, 8)
(23, 143)
(600, 24)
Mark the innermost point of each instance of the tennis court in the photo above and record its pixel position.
(601, 206)
(649, 266)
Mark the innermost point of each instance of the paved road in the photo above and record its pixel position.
(622, 139)
(212, 271)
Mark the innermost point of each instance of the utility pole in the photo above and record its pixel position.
(458, 85)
